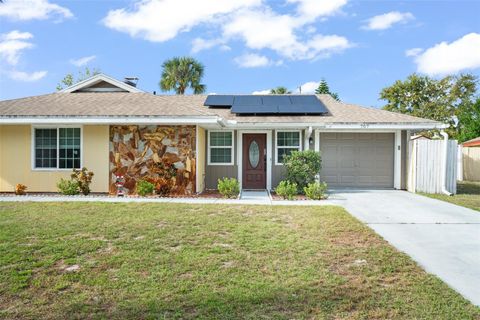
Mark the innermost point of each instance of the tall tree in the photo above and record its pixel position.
(437, 99)
(70, 79)
(181, 73)
(468, 126)
(280, 90)
(323, 88)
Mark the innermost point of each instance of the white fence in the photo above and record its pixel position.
(426, 166)
(468, 163)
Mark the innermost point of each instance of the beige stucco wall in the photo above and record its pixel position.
(201, 159)
(16, 160)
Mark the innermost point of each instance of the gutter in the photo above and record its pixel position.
(444, 164)
(110, 120)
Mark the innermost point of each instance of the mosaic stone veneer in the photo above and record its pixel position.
(136, 150)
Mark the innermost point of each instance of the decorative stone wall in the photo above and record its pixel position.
(137, 151)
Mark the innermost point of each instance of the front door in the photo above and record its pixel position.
(254, 161)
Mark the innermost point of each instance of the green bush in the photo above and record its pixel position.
(68, 187)
(315, 190)
(228, 187)
(286, 189)
(144, 188)
(302, 167)
(83, 178)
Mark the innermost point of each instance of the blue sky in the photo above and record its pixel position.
(359, 47)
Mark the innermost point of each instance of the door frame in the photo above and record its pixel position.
(240, 155)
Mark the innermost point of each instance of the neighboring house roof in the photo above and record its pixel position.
(123, 104)
(472, 143)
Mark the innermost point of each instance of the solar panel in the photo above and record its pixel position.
(214, 100)
(268, 104)
(250, 109)
(252, 100)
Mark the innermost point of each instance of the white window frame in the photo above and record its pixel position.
(299, 147)
(232, 148)
(34, 168)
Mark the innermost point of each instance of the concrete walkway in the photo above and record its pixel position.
(442, 237)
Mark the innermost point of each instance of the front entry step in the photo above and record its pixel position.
(255, 195)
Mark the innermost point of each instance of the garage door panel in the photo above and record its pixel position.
(357, 159)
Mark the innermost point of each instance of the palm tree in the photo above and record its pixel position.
(280, 90)
(180, 73)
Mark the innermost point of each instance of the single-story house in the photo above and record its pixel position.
(113, 128)
(472, 143)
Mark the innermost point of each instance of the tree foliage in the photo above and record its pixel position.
(280, 90)
(445, 100)
(323, 88)
(181, 73)
(70, 79)
(469, 121)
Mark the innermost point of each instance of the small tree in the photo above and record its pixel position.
(69, 80)
(302, 167)
(181, 73)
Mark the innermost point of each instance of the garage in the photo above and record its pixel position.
(362, 160)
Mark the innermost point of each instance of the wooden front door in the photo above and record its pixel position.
(254, 164)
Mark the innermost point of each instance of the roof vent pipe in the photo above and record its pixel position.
(131, 81)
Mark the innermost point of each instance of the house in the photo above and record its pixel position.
(469, 160)
(113, 128)
(420, 137)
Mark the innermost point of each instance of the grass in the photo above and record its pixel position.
(468, 195)
(172, 261)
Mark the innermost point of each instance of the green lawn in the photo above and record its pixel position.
(197, 261)
(468, 195)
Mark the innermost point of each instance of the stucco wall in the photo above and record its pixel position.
(16, 160)
(215, 172)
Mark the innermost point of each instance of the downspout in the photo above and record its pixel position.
(307, 138)
(221, 122)
(444, 160)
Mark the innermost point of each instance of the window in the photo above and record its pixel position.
(287, 141)
(220, 147)
(57, 148)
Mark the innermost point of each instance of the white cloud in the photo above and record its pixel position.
(33, 10)
(82, 61)
(12, 45)
(265, 29)
(252, 60)
(255, 23)
(308, 87)
(443, 58)
(27, 77)
(387, 20)
(312, 9)
(267, 91)
(159, 21)
(413, 52)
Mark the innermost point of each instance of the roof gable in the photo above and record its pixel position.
(100, 83)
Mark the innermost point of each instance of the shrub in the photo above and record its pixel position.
(286, 189)
(68, 187)
(315, 190)
(302, 167)
(83, 178)
(228, 187)
(20, 189)
(145, 187)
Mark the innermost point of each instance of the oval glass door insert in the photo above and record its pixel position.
(253, 154)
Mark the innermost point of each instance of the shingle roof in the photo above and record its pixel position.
(145, 104)
(472, 143)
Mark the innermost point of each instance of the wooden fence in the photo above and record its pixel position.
(426, 166)
(471, 163)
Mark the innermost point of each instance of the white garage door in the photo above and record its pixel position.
(357, 159)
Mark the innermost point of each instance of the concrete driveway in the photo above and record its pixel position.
(443, 238)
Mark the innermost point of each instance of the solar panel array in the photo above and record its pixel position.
(268, 104)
